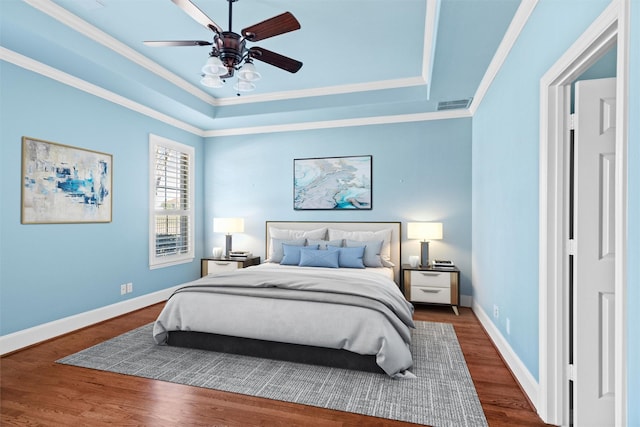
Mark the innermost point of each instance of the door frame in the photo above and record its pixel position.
(609, 29)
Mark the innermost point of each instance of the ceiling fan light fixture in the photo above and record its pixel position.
(229, 49)
(211, 81)
(244, 86)
(249, 73)
(214, 67)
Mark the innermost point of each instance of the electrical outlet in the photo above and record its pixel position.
(496, 311)
(129, 287)
(123, 289)
(508, 326)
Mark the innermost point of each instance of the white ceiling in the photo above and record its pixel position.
(362, 58)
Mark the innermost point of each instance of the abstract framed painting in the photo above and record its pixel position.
(64, 184)
(332, 183)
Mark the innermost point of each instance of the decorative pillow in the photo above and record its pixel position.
(362, 236)
(279, 233)
(276, 248)
(286, 234)
(371, 251)
(318, 258)
(324, 243)
(292, 253)
(350, 257)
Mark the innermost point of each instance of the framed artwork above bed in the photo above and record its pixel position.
(332, 183)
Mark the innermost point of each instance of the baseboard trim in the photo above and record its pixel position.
(522, 375)
(46, 331)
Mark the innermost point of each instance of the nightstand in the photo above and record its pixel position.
(432, 285)
(218, 265)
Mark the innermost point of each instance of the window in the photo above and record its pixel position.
(171, 221)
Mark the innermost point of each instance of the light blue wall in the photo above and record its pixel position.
(48, 272)
(633, 216)
(505, 173)
(421, 172)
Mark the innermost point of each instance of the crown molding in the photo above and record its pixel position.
(428, 51)
(328, 124)
(432, 18)
(83, 27)
(513, 32)
(75, 82)
(47, 6)
(322, 91)
(62, 77)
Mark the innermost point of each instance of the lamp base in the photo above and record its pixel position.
(228, 248)
(424, 254)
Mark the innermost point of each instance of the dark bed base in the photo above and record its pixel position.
(275, 350)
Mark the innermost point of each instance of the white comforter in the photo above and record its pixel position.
(356, 310)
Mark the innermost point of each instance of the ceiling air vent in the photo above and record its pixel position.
(454, 105)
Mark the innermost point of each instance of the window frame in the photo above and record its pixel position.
(156, 261)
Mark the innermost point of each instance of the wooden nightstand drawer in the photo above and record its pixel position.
(219, 265)
(440, 279)
(435, 295)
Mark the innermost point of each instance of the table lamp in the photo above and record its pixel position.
(424, 231)
(228, 226)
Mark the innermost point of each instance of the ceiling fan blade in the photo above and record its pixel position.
(177, 43)
(199, 16)
(280, 24)
(275, 59)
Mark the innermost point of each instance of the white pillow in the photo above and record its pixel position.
(363, 236)
(286, 234)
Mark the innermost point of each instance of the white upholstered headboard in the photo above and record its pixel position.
(347, 226)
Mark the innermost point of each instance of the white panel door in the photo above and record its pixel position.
(594, 257)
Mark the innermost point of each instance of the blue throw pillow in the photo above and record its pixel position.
(371, 252)
(291, 254)
(350, 257)
(318, 258)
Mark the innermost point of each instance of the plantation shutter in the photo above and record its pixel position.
(172, 203)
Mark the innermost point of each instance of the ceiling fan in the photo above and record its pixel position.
(230, 53)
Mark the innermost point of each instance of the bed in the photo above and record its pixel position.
(326, 294)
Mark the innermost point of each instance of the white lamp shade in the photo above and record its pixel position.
(249, 73)
(424, 230)
(211, 81)
(228, 225)
(214, 67)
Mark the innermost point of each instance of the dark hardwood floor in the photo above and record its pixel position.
(35, 391)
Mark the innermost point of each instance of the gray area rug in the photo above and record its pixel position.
(442, 395)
